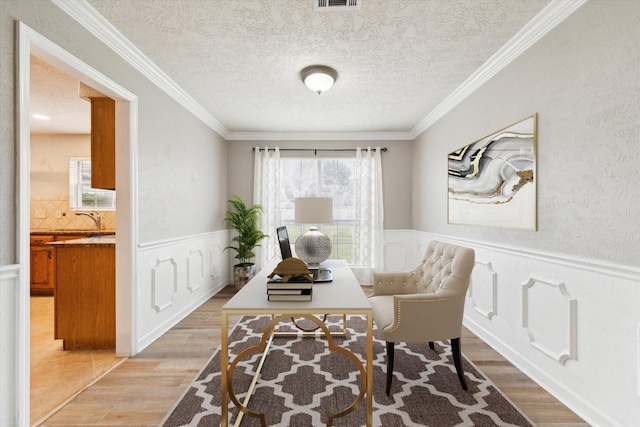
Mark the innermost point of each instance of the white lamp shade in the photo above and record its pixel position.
(314, 210)
(319, 82)
(319, 78)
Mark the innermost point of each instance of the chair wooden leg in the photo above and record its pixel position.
(390, 347)
(431, 346)
(457, 360)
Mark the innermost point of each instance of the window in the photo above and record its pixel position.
(321, 177)
(354, 184)
(81, 195)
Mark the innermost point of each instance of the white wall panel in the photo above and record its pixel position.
(571, 324)
(549, 318)
(483, 289)
(164, 283)
(171, 281)
(195, 270)
(12, 409)
(395, 256)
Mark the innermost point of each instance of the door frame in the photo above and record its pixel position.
(31, 42)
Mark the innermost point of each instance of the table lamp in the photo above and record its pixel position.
(313, 247)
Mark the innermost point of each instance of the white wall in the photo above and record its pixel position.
(179, 183)
(582, 80)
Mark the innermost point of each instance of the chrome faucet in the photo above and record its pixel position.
(95, 216)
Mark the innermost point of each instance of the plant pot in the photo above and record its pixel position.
(242, 274)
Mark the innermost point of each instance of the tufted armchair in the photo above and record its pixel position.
(426, 304)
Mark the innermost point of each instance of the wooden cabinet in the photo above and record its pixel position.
(85, 307)
(42, 271)
(103, 143)
(43, 266)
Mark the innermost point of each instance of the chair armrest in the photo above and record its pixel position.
(393, 282)
(426, 317)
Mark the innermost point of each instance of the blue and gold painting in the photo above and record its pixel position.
(492, 181)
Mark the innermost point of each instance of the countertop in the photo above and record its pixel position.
(102, 240)
(86, 232)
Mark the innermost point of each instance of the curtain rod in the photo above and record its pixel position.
(315, 150)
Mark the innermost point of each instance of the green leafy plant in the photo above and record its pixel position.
(244, 220)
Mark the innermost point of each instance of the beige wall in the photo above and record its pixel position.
(49, 161)
(181, 168)
(582, 80)
(396, 172)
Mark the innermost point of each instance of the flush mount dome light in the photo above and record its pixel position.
(318, 78)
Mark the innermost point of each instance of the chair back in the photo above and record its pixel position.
(444, 266)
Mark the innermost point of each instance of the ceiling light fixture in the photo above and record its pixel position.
(41, 117)
(318, 78)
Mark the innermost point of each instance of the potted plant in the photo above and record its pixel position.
(244, 220)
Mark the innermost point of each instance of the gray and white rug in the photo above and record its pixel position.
(302, 381)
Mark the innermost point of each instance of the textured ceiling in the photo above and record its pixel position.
(240, 59)
(55, 94)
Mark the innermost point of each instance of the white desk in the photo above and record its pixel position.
(342, 296)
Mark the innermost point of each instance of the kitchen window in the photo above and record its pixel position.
(81, 195)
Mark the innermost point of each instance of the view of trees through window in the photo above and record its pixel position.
(321, 178)
(81, 195)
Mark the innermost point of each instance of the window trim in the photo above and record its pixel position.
(76, 182)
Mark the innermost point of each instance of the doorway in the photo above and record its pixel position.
(32, 43)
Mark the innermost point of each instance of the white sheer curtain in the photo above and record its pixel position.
(266, 190)
(369, 213)
(368, 209)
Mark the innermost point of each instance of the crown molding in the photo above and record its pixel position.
(548, 18)
(104, 31)
(320, 136)
(552, 15)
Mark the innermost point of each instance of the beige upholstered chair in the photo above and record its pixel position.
(426, 304)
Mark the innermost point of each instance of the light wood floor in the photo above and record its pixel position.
(141, 389)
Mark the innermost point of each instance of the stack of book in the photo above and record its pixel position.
(290, 291)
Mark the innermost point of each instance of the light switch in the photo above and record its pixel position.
(41, 214)
(58, 214)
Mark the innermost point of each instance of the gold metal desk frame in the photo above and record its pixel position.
(252, 299)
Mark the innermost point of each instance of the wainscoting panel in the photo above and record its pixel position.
(12, 406)
(406, 242)
(164, 283)
(549, 318)
(172, 281)
(195, 270)
(483, 289)
(216, 262)
(395, 256)
(571, 324)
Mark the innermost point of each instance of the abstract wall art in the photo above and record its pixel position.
(492, 182)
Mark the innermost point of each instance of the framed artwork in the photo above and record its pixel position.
(492, 181)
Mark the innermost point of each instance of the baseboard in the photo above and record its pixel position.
(161, 329)
(584, 409)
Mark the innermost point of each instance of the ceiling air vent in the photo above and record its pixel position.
(337, 4)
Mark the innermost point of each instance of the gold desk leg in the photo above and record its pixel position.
(254, 381)
(365, 385)
(224, 361)
(311, 332)
(369, 369)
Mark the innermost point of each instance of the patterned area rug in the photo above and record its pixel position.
(302, 382)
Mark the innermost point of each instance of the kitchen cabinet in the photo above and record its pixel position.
(84, 305)
(42, 269)
(103, 143)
